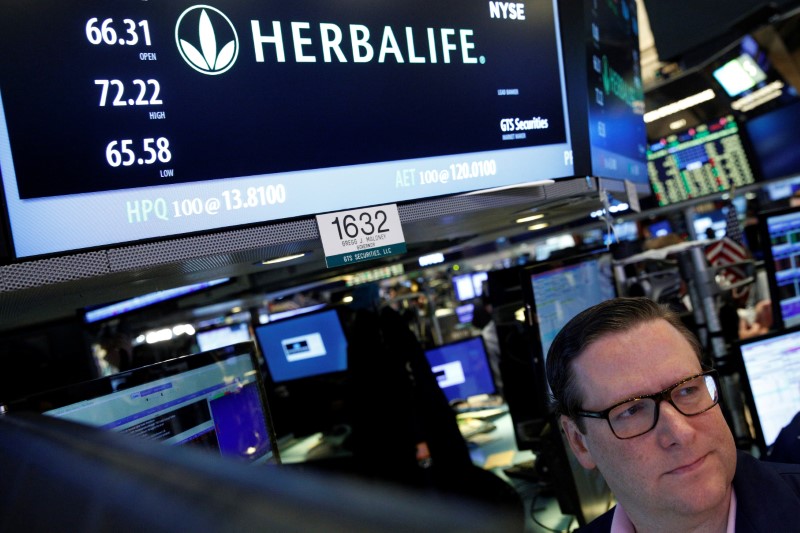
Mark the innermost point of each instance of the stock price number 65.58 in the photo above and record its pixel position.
(121, 153)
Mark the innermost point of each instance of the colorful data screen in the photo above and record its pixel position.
(708, 159)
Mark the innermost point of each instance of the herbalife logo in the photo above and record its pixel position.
(206, 39)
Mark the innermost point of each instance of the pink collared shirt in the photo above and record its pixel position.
(622, 524)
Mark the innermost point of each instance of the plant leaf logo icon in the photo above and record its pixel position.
(199, 32)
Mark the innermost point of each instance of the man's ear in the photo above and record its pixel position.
(577, 441)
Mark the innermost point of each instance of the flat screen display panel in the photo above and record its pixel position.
(772, 368)
(303, 346)
(780, 233)
(708, 159)
(774, 140)
(211, 400)
(462, 369)
(222, 336)
(564, 289)
(129, 120)
(617, 133)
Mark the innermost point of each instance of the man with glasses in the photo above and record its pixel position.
(637, 404)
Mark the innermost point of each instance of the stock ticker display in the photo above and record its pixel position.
(704, 160)
(130, 120)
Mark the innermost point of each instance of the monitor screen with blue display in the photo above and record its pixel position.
(774, 139)
(171, 118)
(462, 368)
(303, 346)
(213, 400)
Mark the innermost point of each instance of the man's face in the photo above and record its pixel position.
(683, 466)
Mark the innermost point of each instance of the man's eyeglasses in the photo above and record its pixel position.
(636, 416)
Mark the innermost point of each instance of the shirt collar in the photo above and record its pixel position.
(622, 524)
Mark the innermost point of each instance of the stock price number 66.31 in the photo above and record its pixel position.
(123, 153)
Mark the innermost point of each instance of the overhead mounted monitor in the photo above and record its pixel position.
(606, 95)
(739, 74)
(129, 120)
(774, 139)
(704, 160)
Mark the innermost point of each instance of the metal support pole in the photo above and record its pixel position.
(704, 303)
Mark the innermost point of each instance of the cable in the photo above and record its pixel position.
(532, 515)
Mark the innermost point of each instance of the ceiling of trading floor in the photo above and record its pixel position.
(451, 226)
(777, 35)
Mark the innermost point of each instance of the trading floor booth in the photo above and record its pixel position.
(180, 144)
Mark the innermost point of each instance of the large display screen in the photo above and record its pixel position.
(617, 133)
(704, 160)
(130, 120)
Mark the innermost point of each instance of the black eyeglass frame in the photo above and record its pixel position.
(664, 395)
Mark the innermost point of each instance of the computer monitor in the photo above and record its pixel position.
(462, 368)
(469, 286)
(780, 235)
(303, 346)
(772, 367)
(660, 228)
(218, 337)
(212, 400)
(562, 289)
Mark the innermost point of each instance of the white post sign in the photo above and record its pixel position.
(361, 234)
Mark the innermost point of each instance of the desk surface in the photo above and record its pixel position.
(497, 450)
(493, 451)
